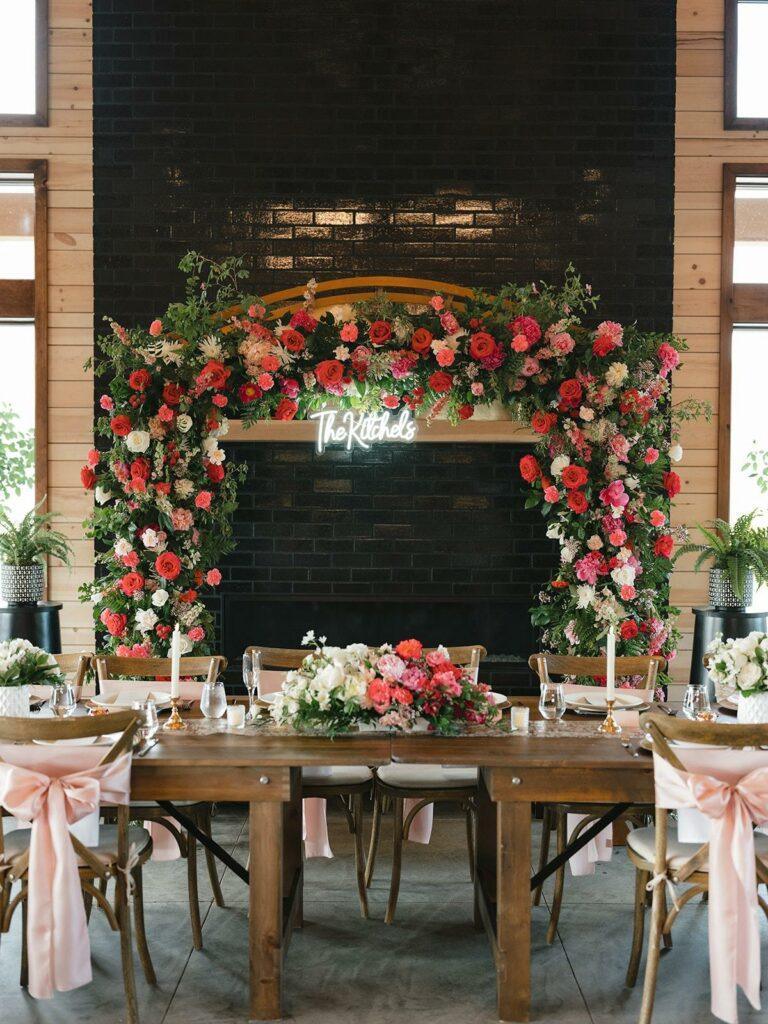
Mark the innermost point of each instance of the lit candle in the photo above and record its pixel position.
(610, 672)
(175, 660)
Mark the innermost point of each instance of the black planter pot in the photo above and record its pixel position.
(21, 584)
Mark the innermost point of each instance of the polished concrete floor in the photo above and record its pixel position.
(431, 966)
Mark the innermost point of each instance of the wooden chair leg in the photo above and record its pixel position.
(210, 859)
(141, 934)
(557, 898)
(397, 859)
(88, 904)
(546, 828)
(357, 817)
(373, 847)
(641, 880)
(652, 959)
(194, 899)
(123, 914)
(24, 970)
(666, 936)
(470, 818)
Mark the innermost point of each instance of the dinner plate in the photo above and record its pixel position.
(124, 699)
(598, 700)
(76, 741)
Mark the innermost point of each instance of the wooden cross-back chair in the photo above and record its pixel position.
(209, 668)
(77, 666)
(397, 782)
(122, 850)
(555, 816)
(655, 853)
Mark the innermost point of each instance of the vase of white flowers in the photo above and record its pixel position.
(739, 668)
(23, 665)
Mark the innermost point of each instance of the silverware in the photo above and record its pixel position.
(146, 749)
(628, 746)
(667, 711)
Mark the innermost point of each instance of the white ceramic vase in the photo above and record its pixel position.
(753, 710)
(14, 701)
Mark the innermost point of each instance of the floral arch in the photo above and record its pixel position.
(595, 393)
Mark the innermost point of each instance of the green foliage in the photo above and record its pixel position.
(32, 540)
(17, 455)
(756, 468)
(737, 549)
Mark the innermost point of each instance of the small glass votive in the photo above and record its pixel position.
(235, 716)
(520, 716)
(149, 724)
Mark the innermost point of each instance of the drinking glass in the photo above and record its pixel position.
(149, 722)
(696, 702)
(213, 702)
(62, 702)
(552, 701)
(252, 680)
(474, 664)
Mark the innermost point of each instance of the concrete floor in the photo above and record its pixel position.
(431, 966)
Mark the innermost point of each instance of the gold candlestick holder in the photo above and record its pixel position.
(175, 721)
(609, 725)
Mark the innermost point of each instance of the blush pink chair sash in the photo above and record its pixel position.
(57, 931)
(733, 806)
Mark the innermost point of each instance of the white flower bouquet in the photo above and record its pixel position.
(739, 666)
(23, 664)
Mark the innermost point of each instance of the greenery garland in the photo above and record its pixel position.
(598, 397)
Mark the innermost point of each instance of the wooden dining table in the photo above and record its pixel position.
(565, 760)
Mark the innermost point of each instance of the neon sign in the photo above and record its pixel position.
(361, 429)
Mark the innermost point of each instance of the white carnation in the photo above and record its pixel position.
(184, 487)
(616, 374)
(123, 547)
(145, 620)
(150, 538)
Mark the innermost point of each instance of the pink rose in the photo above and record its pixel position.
(349, 332)
(446, 357)
(437, 302)
(669, 358)
(477, 388)
(213, 577)
(520, 343)
(203, 499)
(657, 518)
(551, 494)
(651, 456)
(155, 328)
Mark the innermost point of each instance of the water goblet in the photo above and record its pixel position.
(213, 702)
(552, 701)
(149, 723)
(62, 702)
(696, 702)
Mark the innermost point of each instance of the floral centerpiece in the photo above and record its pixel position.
(396, 688)
(740, 667)
(23, 665)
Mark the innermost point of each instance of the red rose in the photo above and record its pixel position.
(121, 425)
(213, 375)
(293, 341)
(140, 380)
(628, 629)
(249, 392)
(286, 409)
(163, 631)
(421, 339)
(542, 422)
(188, 597)
(409, 649)
(215, 473)
(329, 372)
(526, 325)
(663, 546)
(87, 478)
(466, 412)
(440, 381)
(131, 583)
(168, 565)
(530, 469)
(481, 345)
(577, 502)
(559, 584)
(115, 623)
(603, 345)
(172, 393)
(140, 469)
(574, 476)
(379, 332)
(571, 392)
(671, 482)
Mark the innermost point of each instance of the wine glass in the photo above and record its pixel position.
(149, 720)
(696, 702)
(252, 680)
(552, 701)
(62, 702)
(213, 702)
(474, 665)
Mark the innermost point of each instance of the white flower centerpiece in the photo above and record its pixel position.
(23, 665)
(740, 667)
(337, 688)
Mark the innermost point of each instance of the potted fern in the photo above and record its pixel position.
(24, 548)
(739, 556)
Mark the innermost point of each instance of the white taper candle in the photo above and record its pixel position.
(610, 671)
(175, 660)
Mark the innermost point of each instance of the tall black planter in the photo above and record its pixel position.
(38, 623)
(732, 623)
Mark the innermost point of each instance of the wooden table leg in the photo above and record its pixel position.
(513, 911)
(265, 909)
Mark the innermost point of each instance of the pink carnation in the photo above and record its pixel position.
(617, 538)
(520, 343)
(651, 456)
(669, 358)
(449, 323)
(610, 329)
(182, 519)
(196, 634)
(447, 682)
(657, 518)
(213, 577)
(165, 413)
(446, 357)
(107, 403)
(477, 388)
(614, 495)
(265, 381)
(551, 494)
(290, 387)
(402, 367)
(437, 302)
(414, 678)
(620, 447)
(562, 344)
(156, 328)
(203, 499)
(628, 593)
(530, 366)
(590, 567)
(349, 332)
(527, 326)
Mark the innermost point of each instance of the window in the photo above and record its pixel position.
(746, 69)
(24, 62)
(23, 341)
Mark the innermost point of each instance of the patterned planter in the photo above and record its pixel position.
(14, 701)
(753, 710)
(21, 584)
(721, 593)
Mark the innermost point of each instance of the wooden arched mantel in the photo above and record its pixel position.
(490, 424)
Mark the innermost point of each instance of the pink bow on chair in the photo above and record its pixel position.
(57, 930)
(734, 936)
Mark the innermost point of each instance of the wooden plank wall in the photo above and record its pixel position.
(66, 143)
(702, 147)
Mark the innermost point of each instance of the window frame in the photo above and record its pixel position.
(40, 116)
(25, 299)
(731, 120)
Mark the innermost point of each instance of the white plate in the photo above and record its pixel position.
(124, 700)
(269, 698)
(77, 741)
(597, 700)
(498, 698)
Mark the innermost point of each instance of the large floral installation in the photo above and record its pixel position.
(598, 397)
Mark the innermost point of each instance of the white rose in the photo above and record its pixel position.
(586, 413)
(594, 543)
(616, 374)
(102, 495)
(623, 575)
(210, 444)
(558, 464)
(138, 441)
(149, 538)
(123, 547)
(217, 456)
(555, 531)
(748, 676)
(747, 644)
(183, 423)
(145, 620)
(223, 428)
(159, 598)
(185, 644)
(676, 452)
(631, 482)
